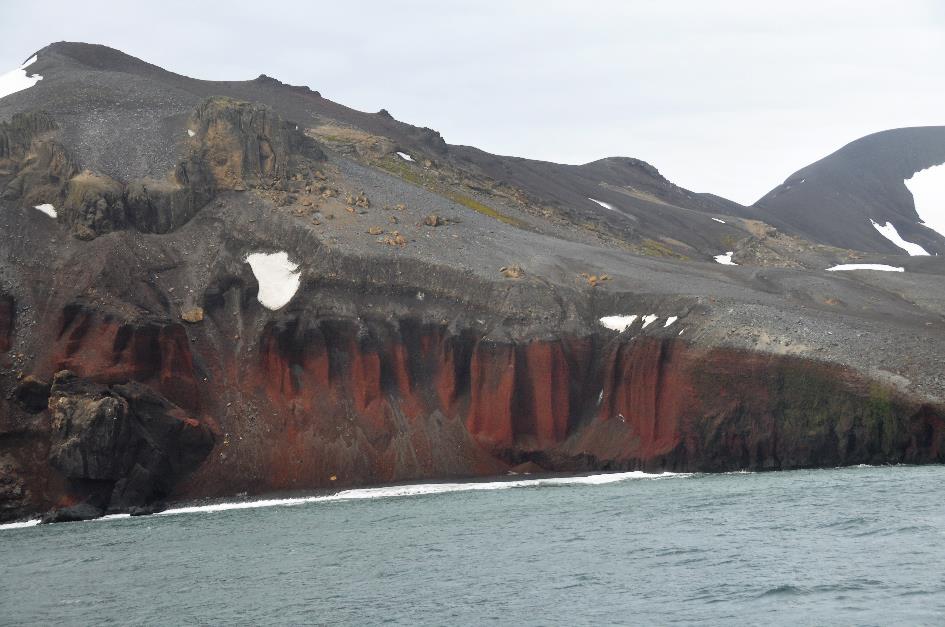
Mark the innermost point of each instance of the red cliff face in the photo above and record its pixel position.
(107, 350)
(328, 403)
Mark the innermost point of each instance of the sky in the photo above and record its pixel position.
(728, 97)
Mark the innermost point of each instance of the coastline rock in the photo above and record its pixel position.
(73, 513)
(123, 445)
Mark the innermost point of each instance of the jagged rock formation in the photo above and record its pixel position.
(121, 446)
(237, 145)
(442, 312)
(33, 165)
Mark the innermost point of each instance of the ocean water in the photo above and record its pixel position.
(855, 546)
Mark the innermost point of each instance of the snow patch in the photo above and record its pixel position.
(190, 133)
(928, 191)
(605, 205)
(278, 278)
(48, 209)
(618, 323)
(404, 156)
(18, 80)
(648, 320)
(670, 321)
(889, 232)
(719, 221)
(726, 259)
(865, 266)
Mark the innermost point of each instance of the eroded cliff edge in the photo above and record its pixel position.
(323, 403)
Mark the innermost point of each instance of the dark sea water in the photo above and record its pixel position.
(857, 546)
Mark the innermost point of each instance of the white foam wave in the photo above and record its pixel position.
(423, 489)
(20, 525)
(112, 517)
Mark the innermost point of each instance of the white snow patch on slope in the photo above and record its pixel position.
(605, 205)
(865, 266)
(670, 321)
(404, 156)
(889, 232)
(726, 259)
(48, 209)
(278, 278)
(648, 320)
(190, 133)
(928, 191)
(720, 221)
(18, 80)
(618, 323)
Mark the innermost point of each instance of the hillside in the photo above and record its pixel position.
(211, 288)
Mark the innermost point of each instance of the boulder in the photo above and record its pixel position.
(74, 513)
(193, 315)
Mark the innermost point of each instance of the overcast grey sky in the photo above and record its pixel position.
(728, 96)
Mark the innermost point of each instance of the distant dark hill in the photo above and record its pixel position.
(833, 200)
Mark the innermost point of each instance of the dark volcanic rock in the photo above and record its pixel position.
(243, 143)
(94, 204)
(73, 513)
(32, 394)
(14, 494)
(125, 440)
(33, 165)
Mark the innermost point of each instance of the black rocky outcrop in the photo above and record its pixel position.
(121, 446)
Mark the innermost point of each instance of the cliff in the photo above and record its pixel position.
(245, 288)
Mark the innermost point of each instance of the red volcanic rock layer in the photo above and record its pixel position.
(108, 350)
(327, 403)
(7, 312)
